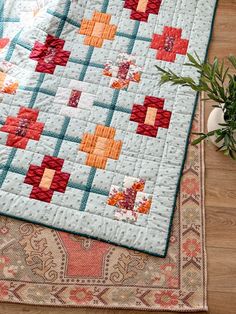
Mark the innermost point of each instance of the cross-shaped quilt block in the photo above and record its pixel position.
(150, 116)
(169, 44)
(97, 30)
(123, 71)
(22, 128)
(50, 54)
(130, 199)
(140, 9)
(47, 178)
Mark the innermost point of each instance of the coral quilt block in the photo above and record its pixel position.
(22, 128)
(169, 44)
(89, 141)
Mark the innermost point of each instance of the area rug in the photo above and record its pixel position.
(42, 266)
(89, 141)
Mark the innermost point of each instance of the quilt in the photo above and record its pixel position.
(89, 141)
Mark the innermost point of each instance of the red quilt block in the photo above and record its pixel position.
(47, 178)
(22, 128)
(50, 54)
(140, 9)
(169, 44)
(150, 116)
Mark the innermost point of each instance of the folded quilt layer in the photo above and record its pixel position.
(90, 143)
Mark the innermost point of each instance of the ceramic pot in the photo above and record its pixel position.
(215, 117)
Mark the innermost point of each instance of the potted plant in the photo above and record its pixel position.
(219, 85)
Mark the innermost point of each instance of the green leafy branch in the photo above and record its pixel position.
(217, 84)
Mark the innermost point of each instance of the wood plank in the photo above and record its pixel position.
(220, 188)
(220, 227)
(222, 269)
(222, 303)
(226, 34)
(217, 161)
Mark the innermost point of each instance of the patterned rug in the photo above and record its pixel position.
(43, 266)
(90, 143)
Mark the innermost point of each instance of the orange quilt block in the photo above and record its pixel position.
(97, 29)
(8, 84)
(100, 146)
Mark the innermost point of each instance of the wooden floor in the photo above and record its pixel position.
(220, 204)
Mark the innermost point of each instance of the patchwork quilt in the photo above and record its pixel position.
(90, 143)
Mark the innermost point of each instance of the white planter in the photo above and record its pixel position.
(215, 117)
